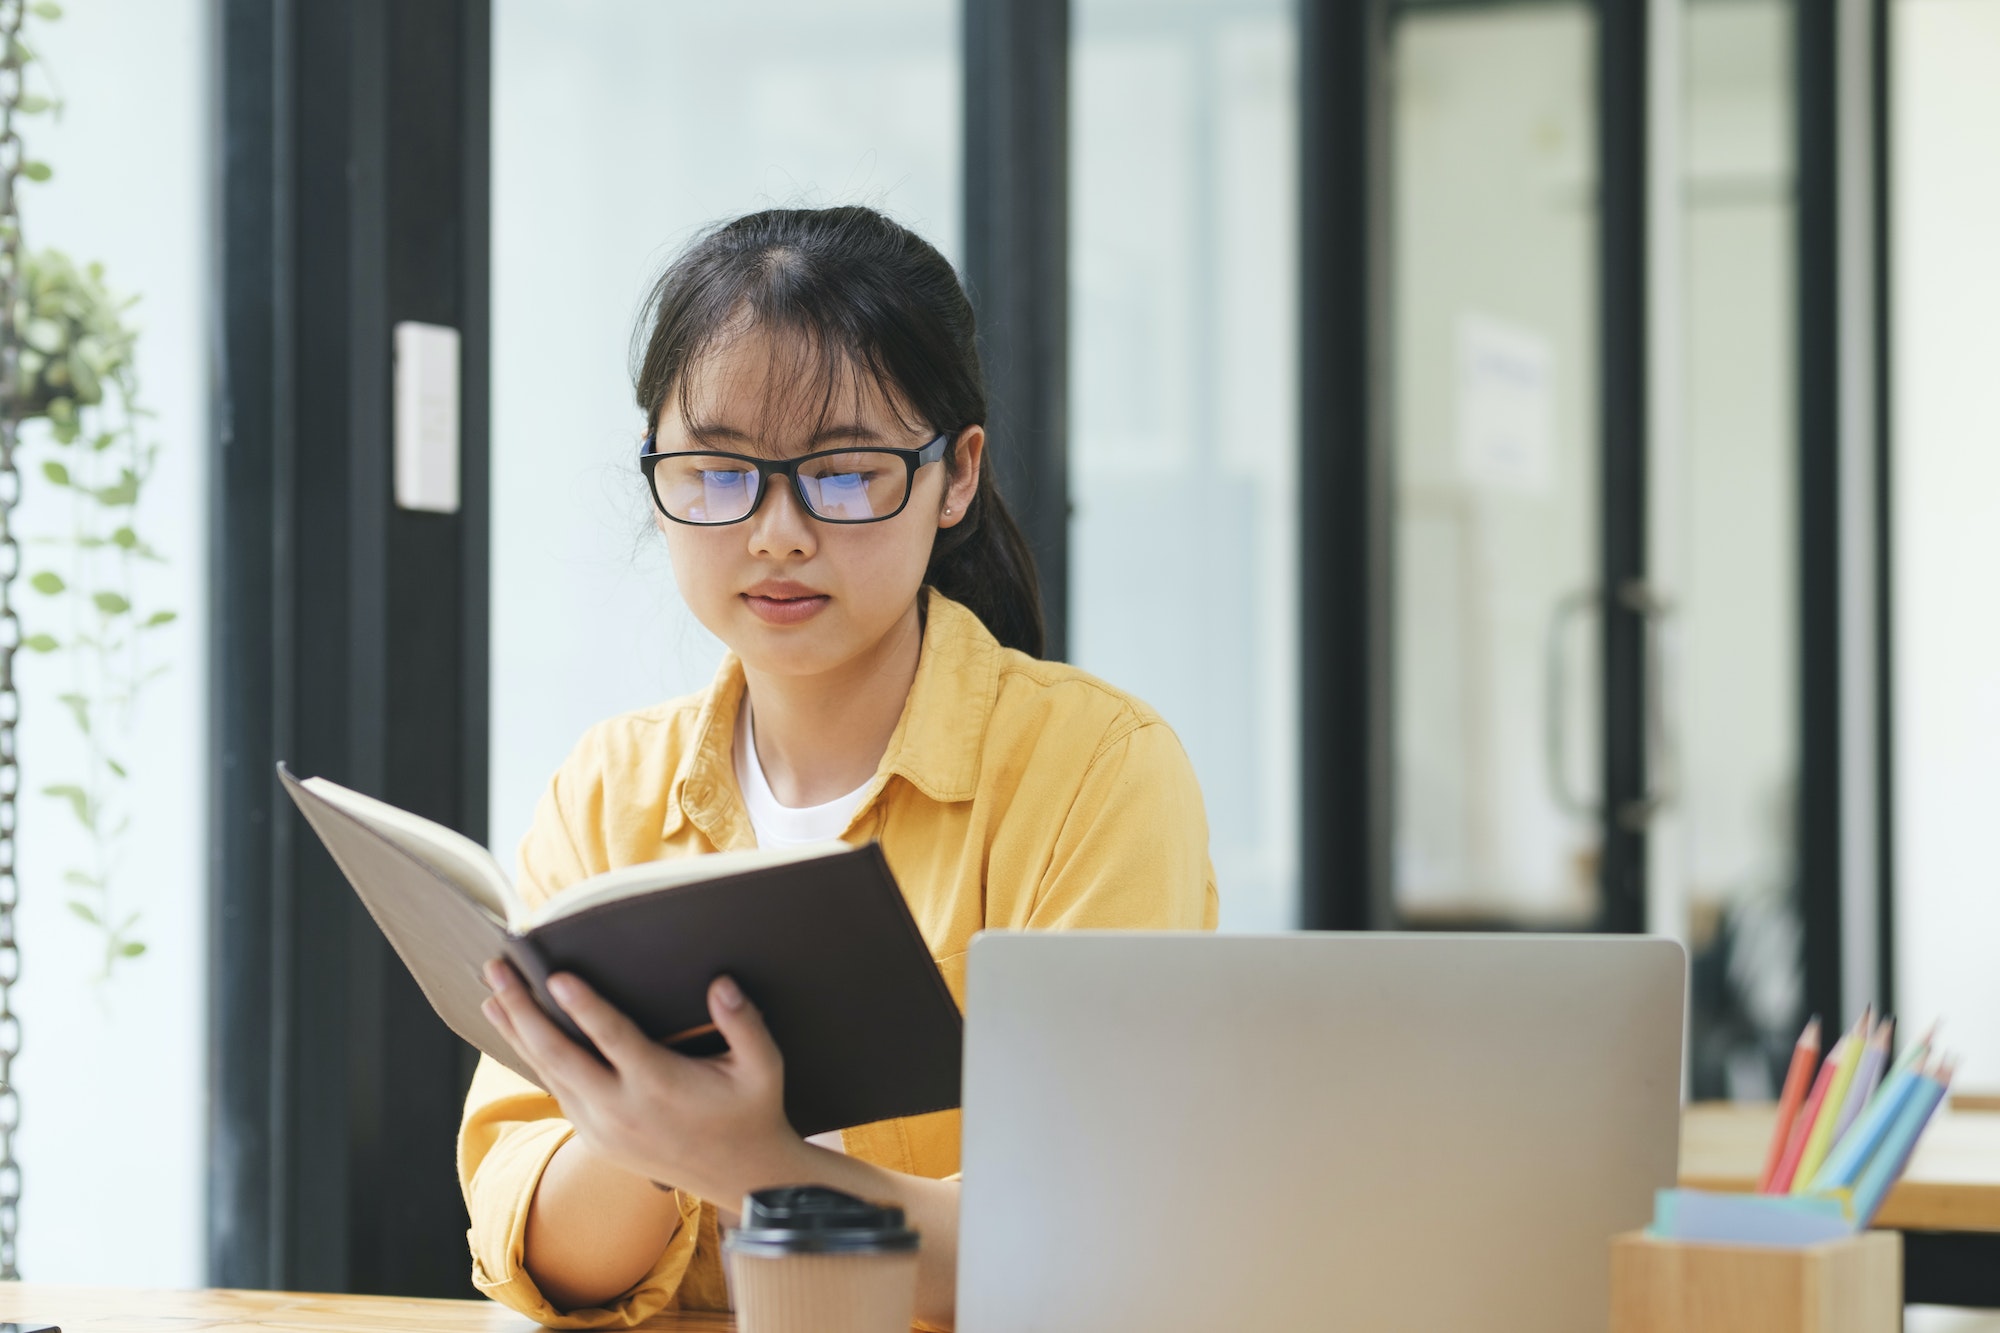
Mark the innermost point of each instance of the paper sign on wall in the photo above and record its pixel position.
(1506, 406)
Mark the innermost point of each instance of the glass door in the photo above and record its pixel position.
(1495, 341)
(1512, 698)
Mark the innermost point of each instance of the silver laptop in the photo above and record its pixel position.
(1170, 1132)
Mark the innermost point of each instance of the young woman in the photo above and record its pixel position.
(817, 460)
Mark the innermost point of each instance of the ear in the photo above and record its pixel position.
(970, 455)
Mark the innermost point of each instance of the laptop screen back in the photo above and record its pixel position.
(1171, 1132)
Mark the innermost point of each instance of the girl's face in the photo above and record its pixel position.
(789, 594)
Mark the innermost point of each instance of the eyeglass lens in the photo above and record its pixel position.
(845, 487)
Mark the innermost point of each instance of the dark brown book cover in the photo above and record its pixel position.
(826, 948)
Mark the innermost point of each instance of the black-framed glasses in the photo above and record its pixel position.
(708, 489)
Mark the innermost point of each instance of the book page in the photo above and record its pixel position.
(648, 876)
(447, 851)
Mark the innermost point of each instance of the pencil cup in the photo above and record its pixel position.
(1850, 1285)
(814, 1260)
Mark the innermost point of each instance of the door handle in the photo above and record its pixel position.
(1663, 760)
(1663, 769)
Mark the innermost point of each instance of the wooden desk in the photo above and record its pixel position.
(1953, 1183)
(113, 1310)
(1947, 1206)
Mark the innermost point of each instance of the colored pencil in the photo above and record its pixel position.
(1913, 1056)
(1893, 1158)
(1867, 1076)
(1805, 1058)
(1857, 1148)
(1820, 1139)
(1795, 1147)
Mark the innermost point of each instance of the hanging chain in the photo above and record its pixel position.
(11, 75)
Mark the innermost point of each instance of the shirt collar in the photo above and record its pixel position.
(935, 745)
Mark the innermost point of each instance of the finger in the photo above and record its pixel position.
(742, 1026)
(496, 1014)
(619, 1039)
(545, 1045)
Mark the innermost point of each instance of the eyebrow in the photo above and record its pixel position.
(715, 432)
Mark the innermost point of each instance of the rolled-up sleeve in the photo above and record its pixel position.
(510, 1131)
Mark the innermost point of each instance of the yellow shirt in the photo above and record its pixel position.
(1014, 793)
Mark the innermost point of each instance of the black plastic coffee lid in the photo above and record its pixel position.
(812, 1219)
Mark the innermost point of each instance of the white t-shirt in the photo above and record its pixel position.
(784, 825)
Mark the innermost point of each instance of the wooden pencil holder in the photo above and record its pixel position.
(1850, 1285)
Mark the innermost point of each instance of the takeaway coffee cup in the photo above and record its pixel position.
(813, 1260)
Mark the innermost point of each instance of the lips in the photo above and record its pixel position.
(782, 602)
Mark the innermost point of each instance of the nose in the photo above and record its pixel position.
(781, 528)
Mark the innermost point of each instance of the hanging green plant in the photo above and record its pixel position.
(77, 373)
(74, 370)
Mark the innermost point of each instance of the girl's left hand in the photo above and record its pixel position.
(714, 1127)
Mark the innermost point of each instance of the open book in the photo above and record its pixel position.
(819, 937)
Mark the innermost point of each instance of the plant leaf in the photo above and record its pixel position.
(36, 171)
(124, 492)
(115, 766)
(79, 802)
(40, 643)
(48, 581)
(160, 618)
(56, 472)
(47, 9)
(111, 603)
(79, 708)
(83, 910)
(81, 880)
(131, 948)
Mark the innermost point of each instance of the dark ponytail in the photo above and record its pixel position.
(868, 296)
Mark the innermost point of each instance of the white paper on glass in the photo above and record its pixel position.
(1506, 406)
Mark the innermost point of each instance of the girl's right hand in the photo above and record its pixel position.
(714, 1126)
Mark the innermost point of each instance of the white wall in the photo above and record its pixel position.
(621, 127)
(1946, 345)
(111, 1076)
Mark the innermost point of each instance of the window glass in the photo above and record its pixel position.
(1724, 530)
(620, 129)
(1183, 419)
(113, 1130)
(1495, 335)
